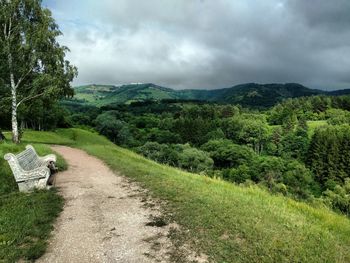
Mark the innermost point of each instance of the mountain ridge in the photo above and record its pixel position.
(247, 94)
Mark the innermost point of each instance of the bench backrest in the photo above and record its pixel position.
(28, 159)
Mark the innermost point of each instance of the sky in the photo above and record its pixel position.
(207, 44)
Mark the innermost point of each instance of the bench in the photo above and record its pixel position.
(30, 170)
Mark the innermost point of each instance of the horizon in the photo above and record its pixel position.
(197, 44)
(228, 87)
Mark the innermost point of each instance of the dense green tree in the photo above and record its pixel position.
(339, 197)
(288, 177)
(194, 160)
(214, 135)
(32, 63)
(254, 133)
(116, 130)
(180, 155)
(226, 154)
(329, 155)
(274, 145)
(162, 136)
(159, 152)
(295, 143)
(193, 130)
(248, 129)
(337, 116)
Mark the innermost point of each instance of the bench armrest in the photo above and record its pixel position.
(13, 162)
(48, 158)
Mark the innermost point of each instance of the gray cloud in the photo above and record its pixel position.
(207, 44)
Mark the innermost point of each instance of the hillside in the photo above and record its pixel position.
(339, 92)
(229, 223)
(250, 94)
(104, 94)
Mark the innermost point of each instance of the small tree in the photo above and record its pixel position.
(32, 61)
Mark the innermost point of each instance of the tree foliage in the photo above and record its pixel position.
(32, 62)
(329, 155)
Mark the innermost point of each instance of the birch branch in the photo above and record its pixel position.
(30, 98)
(24, 76)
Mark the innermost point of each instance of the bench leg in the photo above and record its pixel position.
(42, 183)
(25, 187)
(30, 185)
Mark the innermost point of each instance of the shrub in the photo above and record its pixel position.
(339, 197)
(179, 155)
(115, 130)
(288, 177)
(226, 154)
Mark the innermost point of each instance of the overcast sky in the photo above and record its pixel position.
(207, 43)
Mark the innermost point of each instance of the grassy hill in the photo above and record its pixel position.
(227, 222)
(250, 94)
(102, 95)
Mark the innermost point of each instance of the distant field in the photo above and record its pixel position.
(312, 125)
(227, 222)
(315, 124)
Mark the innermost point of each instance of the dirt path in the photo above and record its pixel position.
(104, 218)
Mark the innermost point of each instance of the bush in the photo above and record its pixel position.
(288, 177)
(339, 197)
(161, 153)
(337, 116)
(179, 155)
(226, 154)
(115, 130)
(194, 160)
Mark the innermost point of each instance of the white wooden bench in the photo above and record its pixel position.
(30, 170)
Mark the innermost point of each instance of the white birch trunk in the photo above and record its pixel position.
(15, 134)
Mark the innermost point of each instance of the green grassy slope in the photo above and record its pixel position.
(100, 95)
(227, 222)
(25, 219)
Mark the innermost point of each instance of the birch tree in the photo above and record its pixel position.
(32, 62)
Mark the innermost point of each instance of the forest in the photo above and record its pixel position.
(299, 148)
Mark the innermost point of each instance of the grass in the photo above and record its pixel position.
(229, 223)
(25, 219)
(313, 125)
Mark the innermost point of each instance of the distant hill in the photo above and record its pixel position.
(250, 94)
(105, 94)
(339, 92)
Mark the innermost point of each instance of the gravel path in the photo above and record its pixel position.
(104, 218)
